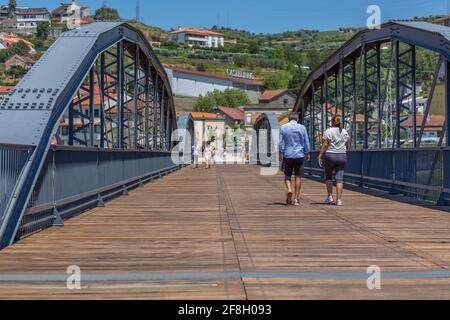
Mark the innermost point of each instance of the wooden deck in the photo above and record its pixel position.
(193, 226)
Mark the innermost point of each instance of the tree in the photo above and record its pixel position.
(107, 14)
(298, 78)
(253, 47)
(276, 81)
(16, 72)
(43, 30)
(231, 98)
(19, 48)
(201, 67)
(12, 7)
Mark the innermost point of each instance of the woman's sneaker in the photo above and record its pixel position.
(329, 200)
(339, 203)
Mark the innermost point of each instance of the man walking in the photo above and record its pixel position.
(294, 149)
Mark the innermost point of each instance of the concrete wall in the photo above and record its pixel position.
(194, 85)
(201, 128)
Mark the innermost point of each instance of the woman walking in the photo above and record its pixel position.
(333, 154)
(208, 155)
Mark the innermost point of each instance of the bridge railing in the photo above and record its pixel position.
(12, 160)
(422, 172)
(74, 179)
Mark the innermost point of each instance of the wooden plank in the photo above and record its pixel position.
(232, 219)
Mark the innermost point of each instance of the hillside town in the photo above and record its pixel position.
(205, 66)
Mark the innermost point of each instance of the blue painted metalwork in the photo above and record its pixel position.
(31, 114)
(391, 165)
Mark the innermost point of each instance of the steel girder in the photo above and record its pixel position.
(405, 66)
(57, 85)
(372, 96)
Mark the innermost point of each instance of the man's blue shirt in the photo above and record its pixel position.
(294, 140)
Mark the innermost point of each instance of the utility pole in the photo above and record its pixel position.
(138, 11)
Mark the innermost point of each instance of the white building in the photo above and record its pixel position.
(197, 37)
(193, 83)
(68, 12)
(24, 20)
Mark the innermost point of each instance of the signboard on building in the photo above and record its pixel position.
(240, 74)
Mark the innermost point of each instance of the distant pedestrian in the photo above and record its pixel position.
(333, 155)
(294, 149)
(195, 155)
(208, 156)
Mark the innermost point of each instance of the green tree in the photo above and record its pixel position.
(43, 30)
(231, 98)
(19, 48)
(16, 72)
(107, 14)
(314, 58)
(298, 78)
(12, 7)
(253, 47)
(276, 81)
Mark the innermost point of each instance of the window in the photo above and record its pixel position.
(65, 131)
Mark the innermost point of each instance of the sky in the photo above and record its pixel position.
(260, 16)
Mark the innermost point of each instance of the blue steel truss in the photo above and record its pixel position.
(137, 110)
(388, 152)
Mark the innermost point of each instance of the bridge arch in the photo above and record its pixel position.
(267, 132)
(372, 81)
(103, 88)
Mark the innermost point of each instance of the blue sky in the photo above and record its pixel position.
(266, 16)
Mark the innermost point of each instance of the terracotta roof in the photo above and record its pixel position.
(9, 20)
(233, 113)
(5, 89)
(87, 20)
(32, 11)
(199, 32)
(432, 121)
(23, 59)
(9, 38)
(255, 117)
(270, 95)
(206, 115)
(215, 75)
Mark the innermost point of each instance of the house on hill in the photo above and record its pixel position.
(69, 11)
(23, 20)
(282, 96)
(16, 60)
(197, 37)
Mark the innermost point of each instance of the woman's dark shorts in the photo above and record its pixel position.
(335, 162)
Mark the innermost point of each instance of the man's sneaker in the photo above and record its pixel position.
(329, 200)
(339, 203)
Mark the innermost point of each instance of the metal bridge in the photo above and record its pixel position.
(94, 120)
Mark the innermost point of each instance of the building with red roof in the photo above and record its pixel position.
(282, 96)
(233, 116)
(197, 37)
(4, 91)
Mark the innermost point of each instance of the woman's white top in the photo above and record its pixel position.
(208, 153)
(338, 139)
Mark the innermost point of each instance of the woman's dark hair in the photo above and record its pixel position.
(336, 121)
